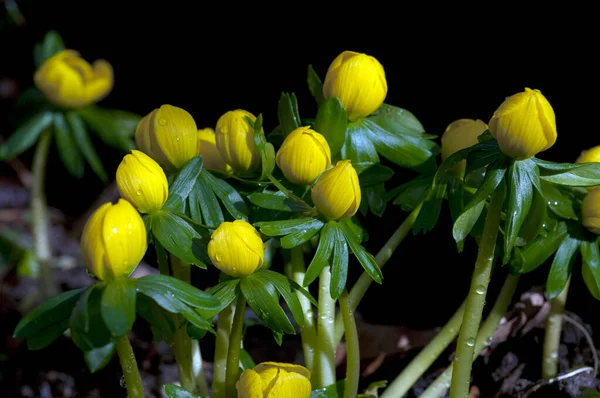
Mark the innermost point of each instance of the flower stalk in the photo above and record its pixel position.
(131, 372)
(352, 347)
(552, 335)
(235, 345)
(224, 322)
(324, 372)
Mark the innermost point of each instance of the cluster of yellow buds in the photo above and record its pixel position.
(273, 379)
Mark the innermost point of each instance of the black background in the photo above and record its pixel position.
(441, 64)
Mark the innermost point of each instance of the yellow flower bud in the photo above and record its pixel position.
(273, 379)
(524, 125)
(358, 80)
(461, 134)
(142, 182)
(336, 194)
(169, 136)
(589, 156)
(69, 81)
(590, 210)
(210, 154)
(303, 155)
(236, 248)
(235, 141)
(113, 240)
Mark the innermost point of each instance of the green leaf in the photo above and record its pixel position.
(50, 45)
(465, 222)
(375, 175)
(285, 288)
(365, 258)
(53, 332)
(174, 391)
(315, 85)
(374, 196)
(226, 292)
(87, 326)
(114, 127)
(264, 148)
(413, 192)
(118, 305)
(571, 174)
(84, 143)
(483, 153)
(397, 120)
(231, 199)
(520, 196)
(430, 211)
(180, 189)
(203, 204)
(184, 292)
(339, 264)
(300, 236)
(323, 253)
(591, 267)
(25, 135)
(537, 252)
(50, 314)
(163, 323)
(98, 358)
(331, 122)
(176, 235)
(246, 360)
(263, 298)
(560, 271)
(285, 227)
(559, 201)
(534, 222)
(287, 110)
(195, 332)
(359, 148)
(67, 150)
(331, 391)
(275, 201)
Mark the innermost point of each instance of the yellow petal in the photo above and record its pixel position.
(92, 244)
(290, 367)
(175, 132)
(249, 385)
(236, 248)
(235, 141)
(303, 156)
(337, 193)
(590, 210)
(590, 155)
(290, 385)
(210, 154)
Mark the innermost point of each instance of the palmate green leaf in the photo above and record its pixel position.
(176, 235)
(323, 253)
(275, 201)
(430, 211)
(26, 135)
(87, 326)
(286, 227)
(331, 122)
(174, 391)
(301, 236)
(50, 45)
(339, 264)
(533, 255)
(184, 182)
(231, 199)
(534, 221)
(67, 150)
(331, 391)
(164, 324)
(397, 120)
(374, 196)
(82, 139)
(315, 85)
(560, 271)
(520, 195)
(98, 358)
(365, 258)
(591, 267)
(287, 111)
(375, 175)
(264, 148)
(48, 318)
(410, 194)
(483, 153)
(246, 361)
(571, 174)
(559, 200)
(263, 298)
(203, 204)
(114, 127)
(118, 305)
(226, 292)
(359, 148)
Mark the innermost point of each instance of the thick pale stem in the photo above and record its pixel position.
(438, 388)
(352, 347)
(224, 321)
(553, 331)
(131, 372)
(296, 271)
(235, 345)
(364, 281)
(39, 215)
(417, 367)
(325, 356)
(461, 378)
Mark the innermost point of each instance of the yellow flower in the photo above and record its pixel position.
(236, 248)
(461, 134)
(524, 125)
(274, 380)
(113, 240)
(69, 81)
(210, 154)
(235, 141)
(142, 182)
(303, 156)
(590, 210)
(358, 80)
(589, 156)
(169, 136)
(336, 194)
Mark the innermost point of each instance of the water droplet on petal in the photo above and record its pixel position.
(162, 121)
(138, 192)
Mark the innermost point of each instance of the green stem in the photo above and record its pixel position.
(296, 271)
(224, 321)
(39, 213)
(364, 281)
(325, 356)
(352, 347)
(235, 344)
(553, 331)
(439, 387)
(417, 367)
(130, 368)
(461, 378)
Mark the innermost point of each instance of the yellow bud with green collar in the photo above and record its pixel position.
(274, 380)
(336, 194)
(236, 248)
(303, 155)
(235, 141)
